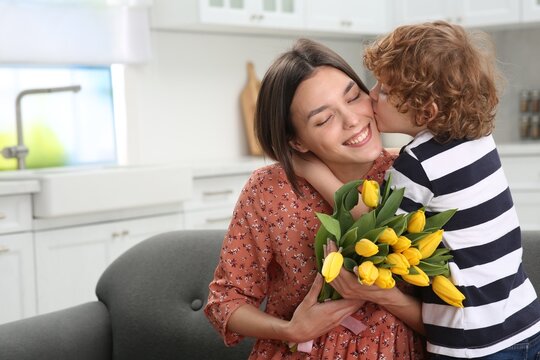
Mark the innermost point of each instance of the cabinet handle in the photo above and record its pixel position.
(2, 215)
(218, 220)
(125, 233)
(217, 193)
(3, 249)
(116, 235)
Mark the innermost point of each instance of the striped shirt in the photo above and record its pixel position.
(501, 307)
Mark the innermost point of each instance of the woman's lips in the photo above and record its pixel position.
(359, 138)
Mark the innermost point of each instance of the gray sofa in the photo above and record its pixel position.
(150, 307)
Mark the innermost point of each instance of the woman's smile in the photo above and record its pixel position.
(360, 138)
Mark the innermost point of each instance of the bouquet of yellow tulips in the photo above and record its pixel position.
(382, 245)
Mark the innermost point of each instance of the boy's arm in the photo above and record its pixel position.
(323, 180)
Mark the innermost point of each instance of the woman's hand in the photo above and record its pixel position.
(312, 319)
(405, 307)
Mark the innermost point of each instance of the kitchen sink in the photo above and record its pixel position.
(82, 190)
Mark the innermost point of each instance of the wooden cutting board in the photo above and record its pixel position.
(248, 101)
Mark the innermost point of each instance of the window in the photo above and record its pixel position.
(60, 128)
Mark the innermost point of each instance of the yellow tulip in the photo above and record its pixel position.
(401, 245)
(417, 222)
(420, 279)
(366, 248)
(332, 266)
(430, 243)
(413, 255)
(400, 265)
(443, 287)
(370, 193)
(367, 273)
(385, 279)
(388, 236)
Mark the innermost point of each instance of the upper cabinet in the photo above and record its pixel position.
(340, 18)
(368, 17)
(464, 12)
(531, 10)
(257, 13)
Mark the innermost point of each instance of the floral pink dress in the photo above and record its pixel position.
(268, 252)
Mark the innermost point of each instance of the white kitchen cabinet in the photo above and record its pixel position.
(71, 260)
(213, 201)
(530, 11)
(253, 13)
(17, 281)
(464, 12)
(348, 16)
(521, 164)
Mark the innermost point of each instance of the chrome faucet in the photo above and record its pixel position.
(20, 151)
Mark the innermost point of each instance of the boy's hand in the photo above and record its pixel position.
(308, 166)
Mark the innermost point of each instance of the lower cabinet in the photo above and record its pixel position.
(69, 261)
(17, 280)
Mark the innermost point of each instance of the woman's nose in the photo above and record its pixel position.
(350, 119)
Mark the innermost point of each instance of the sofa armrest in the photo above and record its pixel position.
(82, 332)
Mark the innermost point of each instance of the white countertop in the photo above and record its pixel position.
(19, 187)
(522, 148)
(245, 165)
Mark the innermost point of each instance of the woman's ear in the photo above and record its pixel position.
(297, 145)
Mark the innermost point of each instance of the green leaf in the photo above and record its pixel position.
(345, 220)
(373, 234)
(341, 193)
(376, 259)
(412, 271)
(387, 189)
(416, 237)
(437, 221)
(335, 295)
(326, 292)
(384, 249)
(432, 270)
(320, 239)
(390, 206)
(351, 199)
(330, 224)
(348, 251)
(349, 264)
(392, 220)
(365, 223)
(349, 238)
(385, 265)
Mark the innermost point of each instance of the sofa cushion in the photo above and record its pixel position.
(155, 293)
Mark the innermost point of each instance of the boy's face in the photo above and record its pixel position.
(388, 118)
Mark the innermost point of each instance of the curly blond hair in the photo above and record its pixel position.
(441, 63)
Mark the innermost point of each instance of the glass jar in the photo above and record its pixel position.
(534, 131)
(524, 100)
(524, 125)
(535, 101)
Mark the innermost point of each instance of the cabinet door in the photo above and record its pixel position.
(530, 10)
(348, 16)
(417, 11)
(209, 219)
(257, 13)
(17, 282)
(71, 261)
(488, 12)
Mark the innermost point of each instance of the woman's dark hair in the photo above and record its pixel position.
(273, 123)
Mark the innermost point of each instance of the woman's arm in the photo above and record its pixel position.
(310, 319)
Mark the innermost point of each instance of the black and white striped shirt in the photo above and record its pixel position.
(501, 307)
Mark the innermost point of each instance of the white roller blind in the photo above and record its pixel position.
(76, 32)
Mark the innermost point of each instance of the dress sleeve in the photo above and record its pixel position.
(241, 274)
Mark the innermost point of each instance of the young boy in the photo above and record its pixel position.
(438, 85)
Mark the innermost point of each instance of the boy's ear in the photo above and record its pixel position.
(427, 114)
(297, 145)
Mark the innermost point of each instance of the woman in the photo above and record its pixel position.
(310, 102)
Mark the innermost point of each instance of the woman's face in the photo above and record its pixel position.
(334, 120)
(389, 119)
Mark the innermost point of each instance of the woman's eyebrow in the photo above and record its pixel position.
(313, 112)
(349, 87)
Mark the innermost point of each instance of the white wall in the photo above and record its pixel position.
(184, 105)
